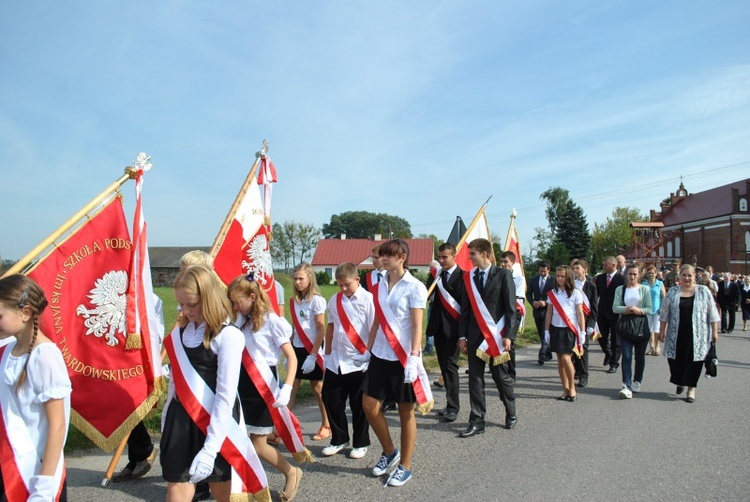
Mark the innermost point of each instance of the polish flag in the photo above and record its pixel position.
(477, 229)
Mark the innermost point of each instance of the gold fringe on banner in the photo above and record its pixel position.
(425, 408)
(262, 496)
(596, 336)
(304, 456)
(107, 444)
(577, 351)
(134, 342)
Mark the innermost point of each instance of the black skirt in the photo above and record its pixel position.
(561, 340)
(181, 442)
(384, 380)
(254, 408)
(316, 374)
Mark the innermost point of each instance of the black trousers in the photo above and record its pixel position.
(581, 364)
(336, 390)
(608, 342)
(544, 350)
(139, 444)
(447, 356)
(728, 316)
(477, 385)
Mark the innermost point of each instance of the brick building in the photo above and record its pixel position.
(707, 228)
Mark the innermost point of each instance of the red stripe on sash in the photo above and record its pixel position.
(346, 323)
(15, 488)
(492, 350)
(447, 306)
(302, 334)
(552, 297)
(393, 341)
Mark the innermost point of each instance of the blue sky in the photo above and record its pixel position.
(418, 109)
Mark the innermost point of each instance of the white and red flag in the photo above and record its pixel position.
(98, 285)
(479, 228)
(243, 243)
(513, 243)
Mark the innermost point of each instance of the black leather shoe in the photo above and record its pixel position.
(680, 390)
(606, 361)
(612, 369)
(541, 362)
(471, 430)
(449, 417)
(583, 383)
(510, 422)
(571, 399)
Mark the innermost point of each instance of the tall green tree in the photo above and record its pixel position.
(568, 234)
(557, 200)
(293, 242)
(573, 231)
(364, 225)
(614, 236)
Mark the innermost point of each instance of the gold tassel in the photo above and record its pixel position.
(596, 336)
(303, 456)
(425, 408)
(502, 358)
(577, 351)
(134, 342)
(483, 356)
(263, 496)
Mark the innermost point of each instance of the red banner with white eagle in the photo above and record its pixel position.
(86, 279)
(246, 246)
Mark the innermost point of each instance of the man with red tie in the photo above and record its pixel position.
(606, 284)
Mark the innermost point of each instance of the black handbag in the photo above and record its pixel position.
(711, 361)
(631, 327)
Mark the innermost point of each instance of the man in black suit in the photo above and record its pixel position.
(536, 293)
(606, 284)
(443, 324)
(498, 294)
(729, 297)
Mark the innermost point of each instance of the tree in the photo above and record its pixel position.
(614, 236)
(364, 225)
(292, 242)
(436, 243)
(557, 199)
(573, 231)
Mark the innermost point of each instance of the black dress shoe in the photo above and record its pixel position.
(612, 369)
(680, 389)
(449, 417)
(471, 430)
(562, 398)
(510, 422)
(571, 399)
(583, 383)
(541, 362)
(606, 361)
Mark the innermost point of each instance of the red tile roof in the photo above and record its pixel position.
(337, 251)
(704, 205)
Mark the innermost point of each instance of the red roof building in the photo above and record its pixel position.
(330, 253)
(707, 228)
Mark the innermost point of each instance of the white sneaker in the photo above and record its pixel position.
(636, 387)
(358, 452)
(625, 393)
(333, 449)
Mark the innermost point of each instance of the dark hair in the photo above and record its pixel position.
(544, 264)
(481, 245)
(508, 254)
(580, 262)
(570, 285)
(447, 246)
(395, 247)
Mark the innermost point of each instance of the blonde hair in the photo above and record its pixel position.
(346, 270)
(312, 288)
(197, 257)
(241, 286)
(200, 281)
(18, 292)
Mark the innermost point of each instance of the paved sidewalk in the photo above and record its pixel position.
(652, 447)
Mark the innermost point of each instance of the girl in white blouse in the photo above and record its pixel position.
(35, 396)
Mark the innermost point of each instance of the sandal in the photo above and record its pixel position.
(288, 497)
(323, 433)
(273, 439)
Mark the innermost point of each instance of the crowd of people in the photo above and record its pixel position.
(362, 349)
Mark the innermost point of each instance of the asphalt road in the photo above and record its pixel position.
(653, 447)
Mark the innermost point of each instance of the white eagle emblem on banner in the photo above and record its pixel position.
(259, 259)
(109, 300)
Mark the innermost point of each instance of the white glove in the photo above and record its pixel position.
(166, 371)
(202, 466)
(546, 337)
(282, 396)
(42, 488)
(582, 337)
(362, 360)
(590, 331)
(410, 371)
(309, 365)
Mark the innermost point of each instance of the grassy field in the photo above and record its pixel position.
(76, 440)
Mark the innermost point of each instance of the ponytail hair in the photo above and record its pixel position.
(246, 285)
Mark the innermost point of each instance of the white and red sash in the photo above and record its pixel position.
(449, 303)
(371, 282)
(491, 349)
(552, 297)
(284, 420)
(350, 322)
(392, 331)
(197, 398)
(303, 335)
(19, 459)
